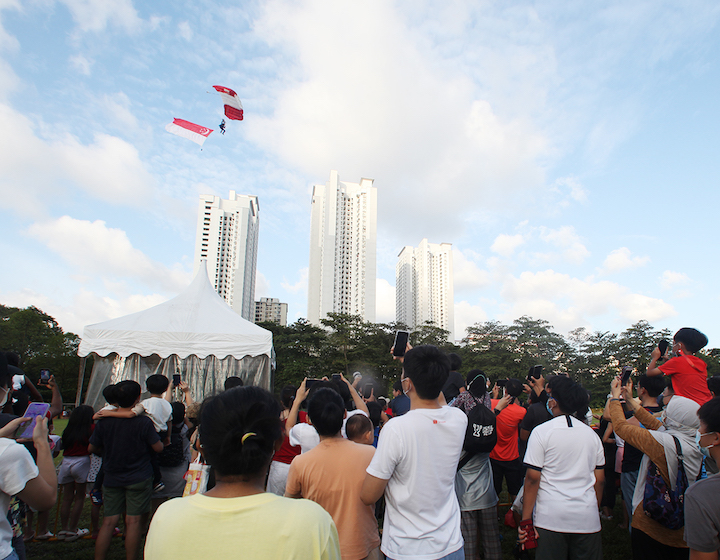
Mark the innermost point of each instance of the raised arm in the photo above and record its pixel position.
(300, 396)
(652, 368)
(41, 492)
(357, 399)
(56, 401)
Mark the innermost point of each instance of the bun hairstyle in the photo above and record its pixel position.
(326, 411)
(570, 396)
(239, 429)
(477, 383)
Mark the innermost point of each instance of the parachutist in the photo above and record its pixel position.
(222, 127)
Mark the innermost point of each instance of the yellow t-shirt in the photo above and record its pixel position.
(259, 527)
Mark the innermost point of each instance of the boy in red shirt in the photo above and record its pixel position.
(505, 456)
(687, 371)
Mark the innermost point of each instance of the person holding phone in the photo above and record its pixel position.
(34, 483)
(687, 371)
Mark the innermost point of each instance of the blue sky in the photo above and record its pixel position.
(569, 152)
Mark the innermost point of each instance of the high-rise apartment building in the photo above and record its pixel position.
(227, 238)
(271, 310)
(424, 286)
(343, 234)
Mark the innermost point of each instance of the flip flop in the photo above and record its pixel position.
(44, 536)
(62, 535)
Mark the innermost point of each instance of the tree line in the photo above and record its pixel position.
(345, 344)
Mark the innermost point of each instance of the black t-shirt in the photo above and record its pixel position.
(632, 456)
(452, 386)
(126, 448)
(536, 415)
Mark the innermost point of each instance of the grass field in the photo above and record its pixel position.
(616, 541)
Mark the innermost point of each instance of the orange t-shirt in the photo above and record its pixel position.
(332, 474)
(508, 421)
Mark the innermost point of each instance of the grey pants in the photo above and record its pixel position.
(568, 546)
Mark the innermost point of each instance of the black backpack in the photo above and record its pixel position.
(481, 435)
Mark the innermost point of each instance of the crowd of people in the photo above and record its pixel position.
(329, 470)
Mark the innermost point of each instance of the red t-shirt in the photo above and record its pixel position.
(80, 449)
(508, 421)
(288, 452)
(689, 377)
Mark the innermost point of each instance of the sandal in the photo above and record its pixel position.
(44, 536)
(62, 535)
(72, 537)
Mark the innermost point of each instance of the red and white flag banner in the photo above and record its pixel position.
(191, 131)
(233, 106)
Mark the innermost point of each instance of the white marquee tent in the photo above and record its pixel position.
(196, 334)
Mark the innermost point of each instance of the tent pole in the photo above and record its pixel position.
(81, 378)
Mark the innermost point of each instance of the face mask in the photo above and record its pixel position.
(5, 396)
(547, 406)
(704, 450)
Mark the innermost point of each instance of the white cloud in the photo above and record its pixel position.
(467, 275)
(84, 308)
(571, 187)
(93, 248)
(82, 64)
(108, 169)
(97, 15)
(384, 301)
(466, 315)
(671, 279)
(392, 109)
(301, 286)
(569, 302)
(679, 282)
(568, 240)
(505, 245)
(185, 31)
(262, 286)
(622, 259)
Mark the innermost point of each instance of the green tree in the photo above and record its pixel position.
(41, 344)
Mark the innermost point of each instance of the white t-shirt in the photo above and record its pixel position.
(18, 382)
(349, 414)
(304, 435)
(567, 456)
(418, 454)
(16, 469)
(158, 410)
(307, 437)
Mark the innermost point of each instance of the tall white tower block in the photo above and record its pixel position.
(227, 237)
(343, 234)
(424, 286)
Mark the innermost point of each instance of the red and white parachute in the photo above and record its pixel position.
(191, 131)
(233, 107)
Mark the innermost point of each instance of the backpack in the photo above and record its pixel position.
(481, 435)
(660, 502)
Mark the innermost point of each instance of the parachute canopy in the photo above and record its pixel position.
(191, 131)
(233, 107)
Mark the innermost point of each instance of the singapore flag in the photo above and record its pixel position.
(191, 131)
